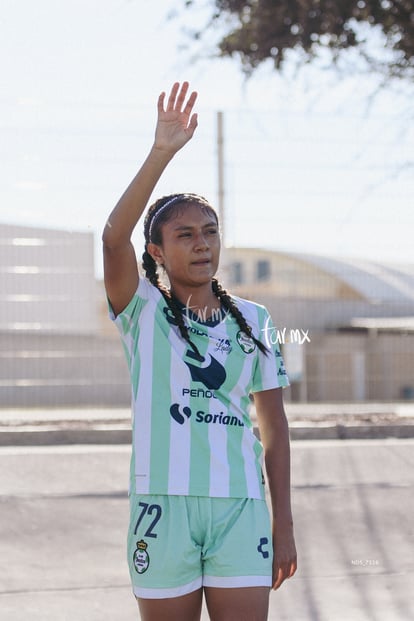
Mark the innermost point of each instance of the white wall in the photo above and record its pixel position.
(47, 281)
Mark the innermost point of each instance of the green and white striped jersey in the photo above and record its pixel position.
(192, 434)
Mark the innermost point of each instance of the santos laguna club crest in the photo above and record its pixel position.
(141, 558)
(246, 342)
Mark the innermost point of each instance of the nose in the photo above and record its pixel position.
(201, 242)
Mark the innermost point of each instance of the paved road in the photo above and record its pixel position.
(63, 518)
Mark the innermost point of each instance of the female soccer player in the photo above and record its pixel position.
(199, 521)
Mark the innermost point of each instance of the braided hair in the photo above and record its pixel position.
(158, 214)
(230, 306)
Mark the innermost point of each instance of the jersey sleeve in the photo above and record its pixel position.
(270, 369)
(127, 322)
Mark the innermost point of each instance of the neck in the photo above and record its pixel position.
(197, 299)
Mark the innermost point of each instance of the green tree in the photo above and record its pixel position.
(258, 30)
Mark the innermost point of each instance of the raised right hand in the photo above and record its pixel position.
(176, 124)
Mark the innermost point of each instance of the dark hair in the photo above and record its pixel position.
(152, 233)
(165, 208)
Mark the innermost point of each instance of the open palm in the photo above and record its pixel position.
(176, 123)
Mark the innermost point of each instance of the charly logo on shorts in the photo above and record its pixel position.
(246, 343)
(141, 557)
(264, 541)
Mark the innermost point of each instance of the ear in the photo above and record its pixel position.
(156, 252)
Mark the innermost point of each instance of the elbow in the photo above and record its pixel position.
(108, 235)
(111, 239)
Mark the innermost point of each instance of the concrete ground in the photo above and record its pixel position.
(64, 512)
(307, 421)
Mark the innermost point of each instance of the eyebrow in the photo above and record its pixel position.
(182, 227)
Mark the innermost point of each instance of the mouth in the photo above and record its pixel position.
(201, 262)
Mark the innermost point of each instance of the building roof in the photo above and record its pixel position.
(374, 281)
(382, 324)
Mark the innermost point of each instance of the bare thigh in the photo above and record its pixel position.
(184, 608)
(242, 604)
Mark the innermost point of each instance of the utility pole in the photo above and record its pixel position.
(224, 268)
(220, 174)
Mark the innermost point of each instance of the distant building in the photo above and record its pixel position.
(52, 350)
(319, 292)
(346, 327)
(47, 281)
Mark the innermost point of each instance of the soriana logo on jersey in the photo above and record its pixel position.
(182, 414)
(246, 342)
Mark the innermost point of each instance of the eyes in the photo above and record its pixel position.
(211, 232)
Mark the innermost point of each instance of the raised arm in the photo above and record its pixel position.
(176, 124)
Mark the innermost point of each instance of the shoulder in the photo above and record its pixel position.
(250, 310)
(144, 294)
(146, 290)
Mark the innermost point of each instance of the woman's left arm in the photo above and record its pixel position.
(274, 435)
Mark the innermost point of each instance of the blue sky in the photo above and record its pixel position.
(313, 163)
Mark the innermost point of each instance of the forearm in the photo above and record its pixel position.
(277, 463)
(277, 460)
(130, 207)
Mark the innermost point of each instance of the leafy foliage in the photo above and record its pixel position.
(258, 30)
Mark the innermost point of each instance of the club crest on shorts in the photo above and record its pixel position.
(246, 343)
(141, 557)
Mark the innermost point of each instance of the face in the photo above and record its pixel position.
(190, 247)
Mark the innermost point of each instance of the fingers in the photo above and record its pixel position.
(173, 94)
(181, 94)
(284, 571)
(192, 125)
(177, 98)
(279, 579)
(160, 104)
(190, 103)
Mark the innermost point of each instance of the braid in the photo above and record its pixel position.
(230, 306)
(150, 268)
(151, 273)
